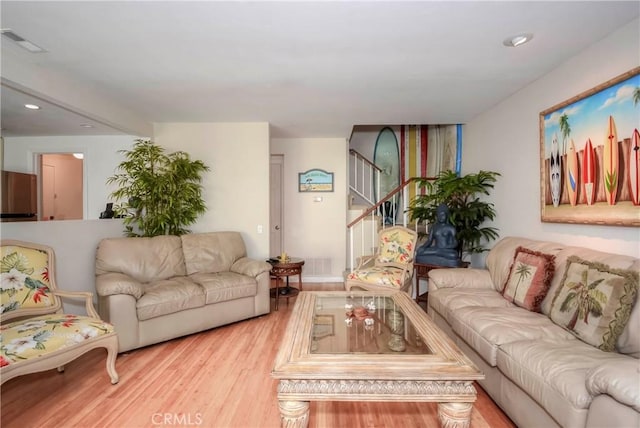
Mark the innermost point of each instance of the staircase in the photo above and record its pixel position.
(366, 216)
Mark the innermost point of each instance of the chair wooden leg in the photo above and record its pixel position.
(112, 354)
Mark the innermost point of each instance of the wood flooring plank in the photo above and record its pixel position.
(220, 378)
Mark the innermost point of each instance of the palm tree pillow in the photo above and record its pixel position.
(529, 278)
(594, 301)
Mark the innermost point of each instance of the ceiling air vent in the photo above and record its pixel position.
(23, 43)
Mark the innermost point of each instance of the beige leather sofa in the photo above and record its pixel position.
(160, 288)
(538, 372)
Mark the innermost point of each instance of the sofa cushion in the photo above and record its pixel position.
(554, 373)
(529, 278)
(223, 286)
(487, 328)
(447, 301)
(145, 259)
(595, 301)
(212, 252)
(614, 380)
(169, 296)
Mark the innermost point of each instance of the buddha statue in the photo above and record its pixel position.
(441, 247)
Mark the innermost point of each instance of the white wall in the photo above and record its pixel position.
(236, 190)
(315, 231)
(101, 159)
(74, 243)
(506, 139)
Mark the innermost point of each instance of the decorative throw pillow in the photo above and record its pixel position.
(594, 301)
(529, 278)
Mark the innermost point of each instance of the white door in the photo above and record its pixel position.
(276, 227)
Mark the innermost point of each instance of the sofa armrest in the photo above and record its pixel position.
(113, 283)
(620, 380)
(250, 267)
(460, 277)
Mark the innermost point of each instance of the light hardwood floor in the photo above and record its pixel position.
(219, 378)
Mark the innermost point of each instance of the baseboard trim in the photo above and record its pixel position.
(318, 279)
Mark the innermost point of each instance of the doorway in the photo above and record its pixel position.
(61, 186)
(276, 205)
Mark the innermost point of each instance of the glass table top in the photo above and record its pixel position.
(363, 324)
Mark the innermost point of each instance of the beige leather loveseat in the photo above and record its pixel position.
(573, 364)
(160, 288)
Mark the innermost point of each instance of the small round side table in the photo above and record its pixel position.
(289, 267)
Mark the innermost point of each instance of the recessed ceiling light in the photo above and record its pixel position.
(517, 40)
(86, 125)
(32, 107)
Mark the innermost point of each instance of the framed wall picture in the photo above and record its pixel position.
(590, 155)
(315, 180)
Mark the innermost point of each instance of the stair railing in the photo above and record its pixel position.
(391, 210)
(364, 177)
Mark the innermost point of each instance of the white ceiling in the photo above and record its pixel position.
(310, 69)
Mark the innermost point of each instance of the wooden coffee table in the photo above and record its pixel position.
(362, 346)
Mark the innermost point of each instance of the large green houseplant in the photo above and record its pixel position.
(466, 211)
(161, 193)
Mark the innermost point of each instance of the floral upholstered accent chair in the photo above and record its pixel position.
(392, 267)
(35, 334)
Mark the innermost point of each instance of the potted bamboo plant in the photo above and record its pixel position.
(161, 193)
(466, 211)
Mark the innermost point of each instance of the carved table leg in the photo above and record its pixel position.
(454, 415)
(294, 414)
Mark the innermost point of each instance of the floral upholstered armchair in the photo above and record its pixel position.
(35, 335)
(392, 267)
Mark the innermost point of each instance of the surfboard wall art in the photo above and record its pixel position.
(590, 155)
(572, 174)
(610, 161)
(555, 168)
(634, 167)
(589, 173)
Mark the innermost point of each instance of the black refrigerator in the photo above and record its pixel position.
(19, 197)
